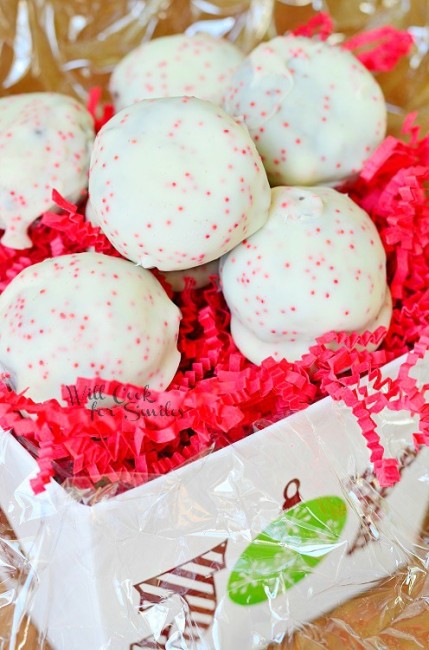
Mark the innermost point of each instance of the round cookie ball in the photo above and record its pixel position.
(45, 144)
(317, 265)
(313, 110)
(171, 66)
(87, 315)
(176, 182)
(199, 274)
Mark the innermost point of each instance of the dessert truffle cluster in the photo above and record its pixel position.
(213, 160)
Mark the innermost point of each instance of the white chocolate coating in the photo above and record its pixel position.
(172, 66)
(200, 275)
(90, 214)
(87, 315)
(176, 182)
(45, 144)
(176, 279)
(313, 110)
(317, 265)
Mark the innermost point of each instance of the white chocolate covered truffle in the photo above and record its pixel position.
(317, 265)
(171, 66)
(176, 182)
(45, 144)
(200, 275)
(87, 315)
(313, 110)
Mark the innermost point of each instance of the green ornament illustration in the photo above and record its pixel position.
(287, 551)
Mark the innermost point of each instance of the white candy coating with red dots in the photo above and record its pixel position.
(313, 110)
(87, 315)
(199, 274)
(176, 279)
(90, 214)
(317, 265)
(176, 182)
(45, 144)
(199, 66)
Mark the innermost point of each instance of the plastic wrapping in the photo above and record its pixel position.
(233, 550)
(271, 539)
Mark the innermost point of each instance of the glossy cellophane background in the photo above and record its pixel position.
(72, 45)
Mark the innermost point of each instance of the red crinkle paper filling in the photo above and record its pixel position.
(217, 396)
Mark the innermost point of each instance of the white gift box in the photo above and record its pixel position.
(231, 551)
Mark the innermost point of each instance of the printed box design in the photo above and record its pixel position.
(233, 550)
